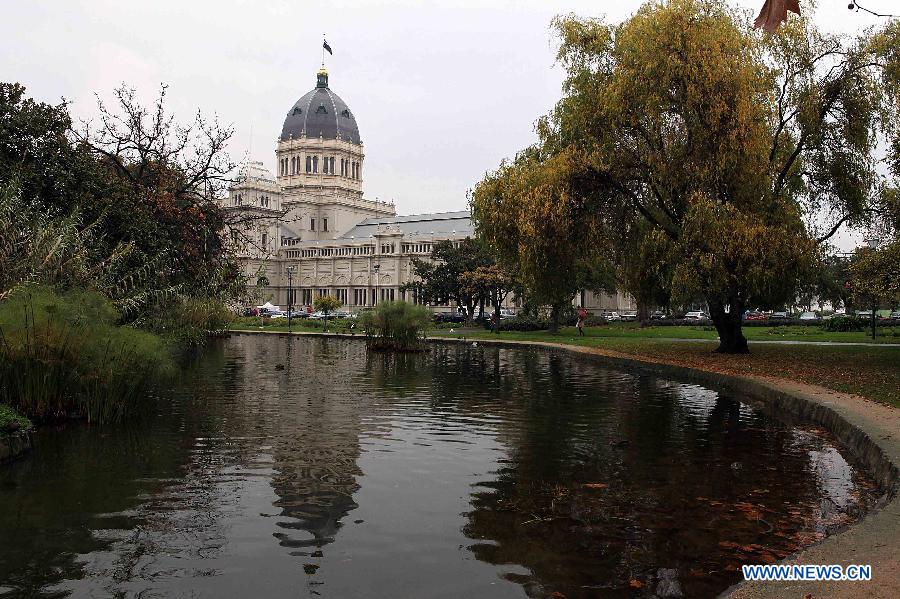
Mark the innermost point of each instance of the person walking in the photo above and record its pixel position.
(582, 316)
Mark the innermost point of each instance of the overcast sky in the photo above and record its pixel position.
(442, 90)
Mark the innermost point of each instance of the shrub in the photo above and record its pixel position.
(61, 355)
(189, 320)
(595, 321)
(522, 323)
(395, 326)
(842, 324)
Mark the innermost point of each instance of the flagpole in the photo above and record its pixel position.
(323, 49)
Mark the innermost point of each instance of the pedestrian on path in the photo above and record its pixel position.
(582, 316)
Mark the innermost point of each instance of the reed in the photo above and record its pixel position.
(395, 326)
(62, 356)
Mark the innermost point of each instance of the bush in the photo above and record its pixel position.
(190, 321)
(842, 324)
(61, 355)
(595, 321)
(395, 326)
(11, 421)
(522, 323)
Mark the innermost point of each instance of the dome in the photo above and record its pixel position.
(255, 172)
(320, 113)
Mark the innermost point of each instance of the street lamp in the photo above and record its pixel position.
(290, 297)
(377, 267)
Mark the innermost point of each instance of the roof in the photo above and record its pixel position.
(320, 113)
(422, 225)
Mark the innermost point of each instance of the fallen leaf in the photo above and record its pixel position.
(635, 584)
(595, 485)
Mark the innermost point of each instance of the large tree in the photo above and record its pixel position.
(127, 206)
(745, 150)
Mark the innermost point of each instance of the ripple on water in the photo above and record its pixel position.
(463, 472)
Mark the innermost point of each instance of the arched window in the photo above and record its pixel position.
(332, 165)
(315, 164)
(309, 164)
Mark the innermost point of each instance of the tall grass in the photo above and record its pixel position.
(62, 355)
(396, 326)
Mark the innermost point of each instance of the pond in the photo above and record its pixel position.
(304, 467)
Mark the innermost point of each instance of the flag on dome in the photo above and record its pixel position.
(327, 47)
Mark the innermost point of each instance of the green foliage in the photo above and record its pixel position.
(440, 278)
(326, 304)
(62, 355)
(188, 320)
(128, 210)
(521, 323)
(842, 324)
(711, 147)
(876, 276)
(11, 420)
(395, 326)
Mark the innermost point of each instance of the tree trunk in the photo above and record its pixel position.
(481, 308)
(554, 318)
(643, 313)
(728, 325)
(496, 301)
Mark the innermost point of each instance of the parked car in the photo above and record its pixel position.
(317, 316)
(864, 314)
(779, 316)
(809, 316)
(659, 315)
(629, 316)
(696, 315)
(341, 314)
(612, 316)
(752, 315)
(507, 313)
(455, 317)
(895, 315)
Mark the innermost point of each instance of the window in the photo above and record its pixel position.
(324, 224)
(306, 296)
(325, 165)
(321, 109)
(265, 240)
(315, 164)
(312, 224)
(353, 169)
(331, 169)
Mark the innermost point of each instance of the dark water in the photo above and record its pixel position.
(469, 472)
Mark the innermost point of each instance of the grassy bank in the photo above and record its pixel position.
(871, 372)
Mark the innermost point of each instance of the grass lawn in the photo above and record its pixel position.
(872, 372)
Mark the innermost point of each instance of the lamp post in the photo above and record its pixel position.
(872, 242)
(290, 297)
(376, 268)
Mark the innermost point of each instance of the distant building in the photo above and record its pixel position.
(312, 222)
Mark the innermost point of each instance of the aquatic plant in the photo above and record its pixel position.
(397, 326)
(62, 355)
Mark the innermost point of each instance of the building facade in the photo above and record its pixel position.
(308, 231)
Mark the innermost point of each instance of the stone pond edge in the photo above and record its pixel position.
(869, 430)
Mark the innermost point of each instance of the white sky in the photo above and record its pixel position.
(442, 90)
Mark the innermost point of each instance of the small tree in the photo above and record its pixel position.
(439, 276)
(876, 278)
(489, 282)
(326, 304)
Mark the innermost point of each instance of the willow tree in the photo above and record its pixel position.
(531, 214)
(745, 150)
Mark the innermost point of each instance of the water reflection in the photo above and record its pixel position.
(309, 467)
